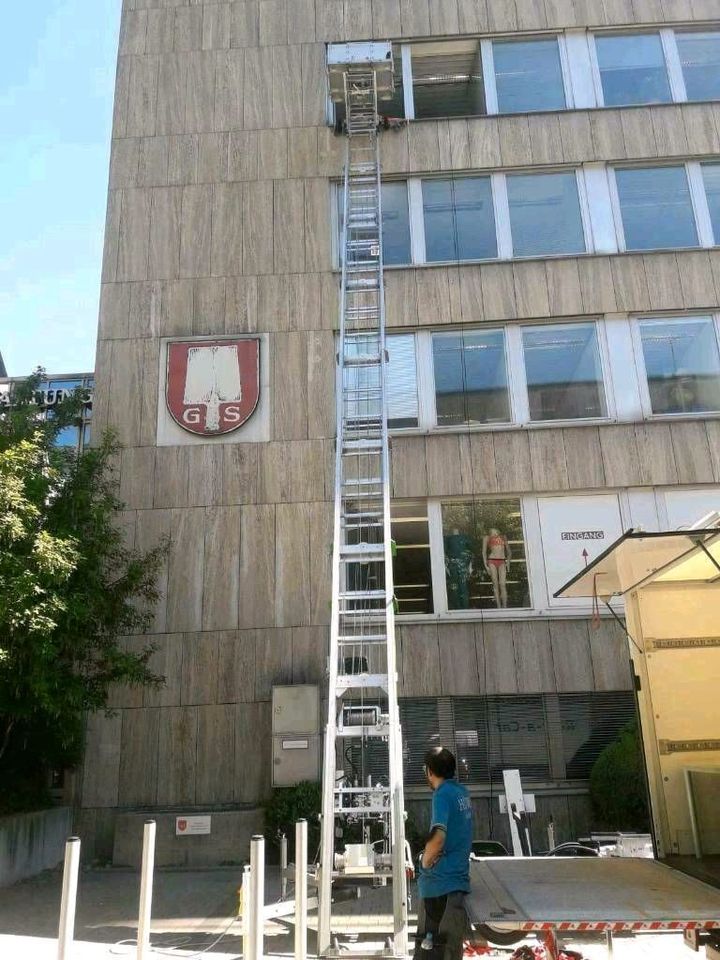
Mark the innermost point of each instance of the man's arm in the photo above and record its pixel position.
(433, 848)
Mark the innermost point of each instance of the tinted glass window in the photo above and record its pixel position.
(470, 378)
(682, 365)
(396, 223)
(528, 75)
(545, 214)
(700, 59)
(656, 208)
(632, 69)
(447, 79)
(563, 371)
(711, 176)
(459, 219)
(484, 546)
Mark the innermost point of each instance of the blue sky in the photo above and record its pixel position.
(57, 71)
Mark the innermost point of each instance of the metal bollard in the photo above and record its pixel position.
(283, 866)
(66, 927)
(301, 897)
(146, 886)
(257, 897)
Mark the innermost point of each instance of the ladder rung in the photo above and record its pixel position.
(350, 640)
(377, 557)
(361, 681)
(363, 360)
(363, 595)
(362, 446)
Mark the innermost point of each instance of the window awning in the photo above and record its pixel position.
(638, 558)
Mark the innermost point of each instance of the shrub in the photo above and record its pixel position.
(617, 784)
(286, 806)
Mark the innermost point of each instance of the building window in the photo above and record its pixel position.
(459, 219)
(528, 75)
(711, 179)
(401, 381)
(632, 69)
(484, 551)
(700, 60)
(395, 223)
(545, 216)
(588, 723)
(68, 437)
(411, 564)
(470, 375)
(544, 736)
(563, 372)
(656, 208)
(447, 79)
(682, 365)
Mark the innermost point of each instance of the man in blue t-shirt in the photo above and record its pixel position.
(444, 875)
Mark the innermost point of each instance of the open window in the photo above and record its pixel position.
(447, 79)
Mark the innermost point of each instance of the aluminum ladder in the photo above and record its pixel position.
(363, 725)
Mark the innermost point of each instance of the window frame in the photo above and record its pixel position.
(701, 220)
(490, 77)
(645, 400)
(603, 357)
(685, 30)
(509, 363)
(597, 74)
(437, 562)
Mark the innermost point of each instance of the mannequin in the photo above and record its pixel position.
(496, 558)
(458, 569)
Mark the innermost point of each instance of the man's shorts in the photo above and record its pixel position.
(446, 919)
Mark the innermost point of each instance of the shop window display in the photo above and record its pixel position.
(484, 546)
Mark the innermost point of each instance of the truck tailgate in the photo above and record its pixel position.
(588, 893)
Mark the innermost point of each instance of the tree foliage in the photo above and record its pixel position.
(70, 591)
(617, 784)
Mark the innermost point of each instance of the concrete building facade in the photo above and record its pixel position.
(552, 222)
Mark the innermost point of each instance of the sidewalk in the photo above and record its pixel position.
(192, 909)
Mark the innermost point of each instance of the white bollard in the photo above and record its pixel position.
(257, 897)
(248, 949)
(146, 888)
(66, 927)
(283, 866)
(301, 897)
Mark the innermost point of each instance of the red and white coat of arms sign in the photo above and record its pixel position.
(212, 386)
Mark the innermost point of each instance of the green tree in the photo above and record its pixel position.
(70, 591)
(617, 784)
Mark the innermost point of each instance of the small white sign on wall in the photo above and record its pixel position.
(575, 530)
(192, 826)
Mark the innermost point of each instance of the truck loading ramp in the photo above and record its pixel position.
(588, 893)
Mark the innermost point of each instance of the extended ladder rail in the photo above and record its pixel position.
(362, 661)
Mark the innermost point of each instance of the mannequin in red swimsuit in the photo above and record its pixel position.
(496, 557)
